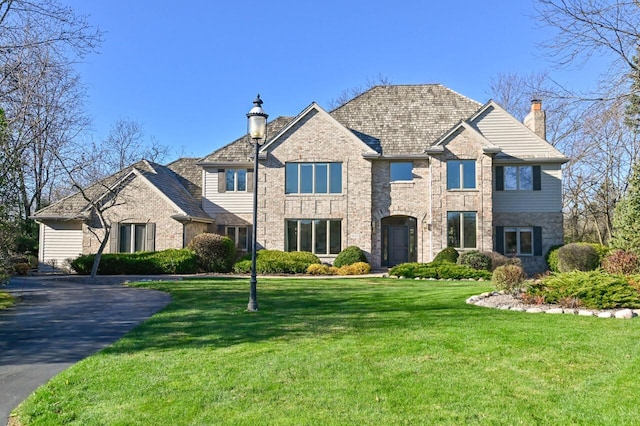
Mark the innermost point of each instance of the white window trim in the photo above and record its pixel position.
(461, 175)
(235, 180)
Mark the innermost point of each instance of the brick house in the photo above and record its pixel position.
(400, 171)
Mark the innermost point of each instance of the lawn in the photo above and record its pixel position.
(349, 351)
(6, 301)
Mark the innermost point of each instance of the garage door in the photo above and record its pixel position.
(59, 241)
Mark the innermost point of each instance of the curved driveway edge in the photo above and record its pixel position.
(60, 320)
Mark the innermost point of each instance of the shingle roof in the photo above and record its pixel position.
(404, 119)
(162, 177)
(189, 175)
(241, 150)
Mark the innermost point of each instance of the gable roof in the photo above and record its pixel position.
(241, 150)
(516, 141)
(161, 178)
(317, 109)
(404, 119)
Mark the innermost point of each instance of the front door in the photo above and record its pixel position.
(398, 245)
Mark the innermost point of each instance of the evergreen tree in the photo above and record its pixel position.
(632, 111)
(626, 218)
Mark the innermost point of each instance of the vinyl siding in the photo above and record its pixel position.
(515, 140)
(549, 199)
(226, 202)
(60, 241)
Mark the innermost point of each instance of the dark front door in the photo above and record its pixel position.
(398, 245)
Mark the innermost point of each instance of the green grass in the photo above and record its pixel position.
(349, 352)
(6, 301)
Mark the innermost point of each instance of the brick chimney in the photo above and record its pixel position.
(536, 119)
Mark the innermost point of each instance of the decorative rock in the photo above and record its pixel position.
(584, 313)
(625, 314)
(417, 278)
(570, 311)
(487, 294)
(555, 311)
(518, 309)
(605, 315)
(504, 307)
(534, 311)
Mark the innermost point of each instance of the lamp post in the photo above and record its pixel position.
(257, 126)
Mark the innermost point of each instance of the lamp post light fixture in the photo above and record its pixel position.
(257, 126)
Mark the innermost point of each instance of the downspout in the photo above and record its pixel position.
(430, 225)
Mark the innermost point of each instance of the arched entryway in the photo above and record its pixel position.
(399, 240)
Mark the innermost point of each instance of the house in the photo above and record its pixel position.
(400, 171)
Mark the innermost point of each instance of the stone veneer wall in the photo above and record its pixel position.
(138, 203)
(409, 198)
(552, 234)
(316, 138)
(462, 146)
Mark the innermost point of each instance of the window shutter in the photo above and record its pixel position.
(499, 178)
(537, 240)
(150, 244)
(222, 181)
(113, 238)
(500, 239)
(537, 178)
(249, 180)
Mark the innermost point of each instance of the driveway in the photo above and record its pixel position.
(59, 321)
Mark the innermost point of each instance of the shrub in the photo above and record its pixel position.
(621, 262)
(509, 278)
(349, 256)
(215, 253)
(577, 257)
(277, 262)
(593, 289)
(358, 268)
(476, 260)
(171, 261)
(552, 257)
(498, 260)
(437, 270)
(317, 269)
(448, 254)
(21, 268)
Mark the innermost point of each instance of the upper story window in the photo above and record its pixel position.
(461, 174)
(518, 178)
(236, 180)
(313, 178)
(400, 171)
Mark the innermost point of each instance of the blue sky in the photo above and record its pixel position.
(188, 71)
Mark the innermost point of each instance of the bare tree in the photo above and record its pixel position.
(587, 28)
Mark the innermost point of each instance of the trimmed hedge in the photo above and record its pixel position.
(508, 278)
(349, 256)
(171, 261)
(438, 270)
(215, 253)
(476, 260)
(448, 254)
(277, 262)
(578, 257)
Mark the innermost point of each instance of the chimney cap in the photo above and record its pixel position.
(536, 104)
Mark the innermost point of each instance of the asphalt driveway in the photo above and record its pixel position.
(59, 321)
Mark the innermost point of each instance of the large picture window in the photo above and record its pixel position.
(461, 229)
(461, 174)
(313, 178)
(318, 236)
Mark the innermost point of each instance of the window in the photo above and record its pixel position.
(134, 237)
(236, 180)
(239, 235)
(314, 235)
(461, 174)
(518, 178)
(461, 229)
(313, 178)
(400, 171)
(518, 241)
